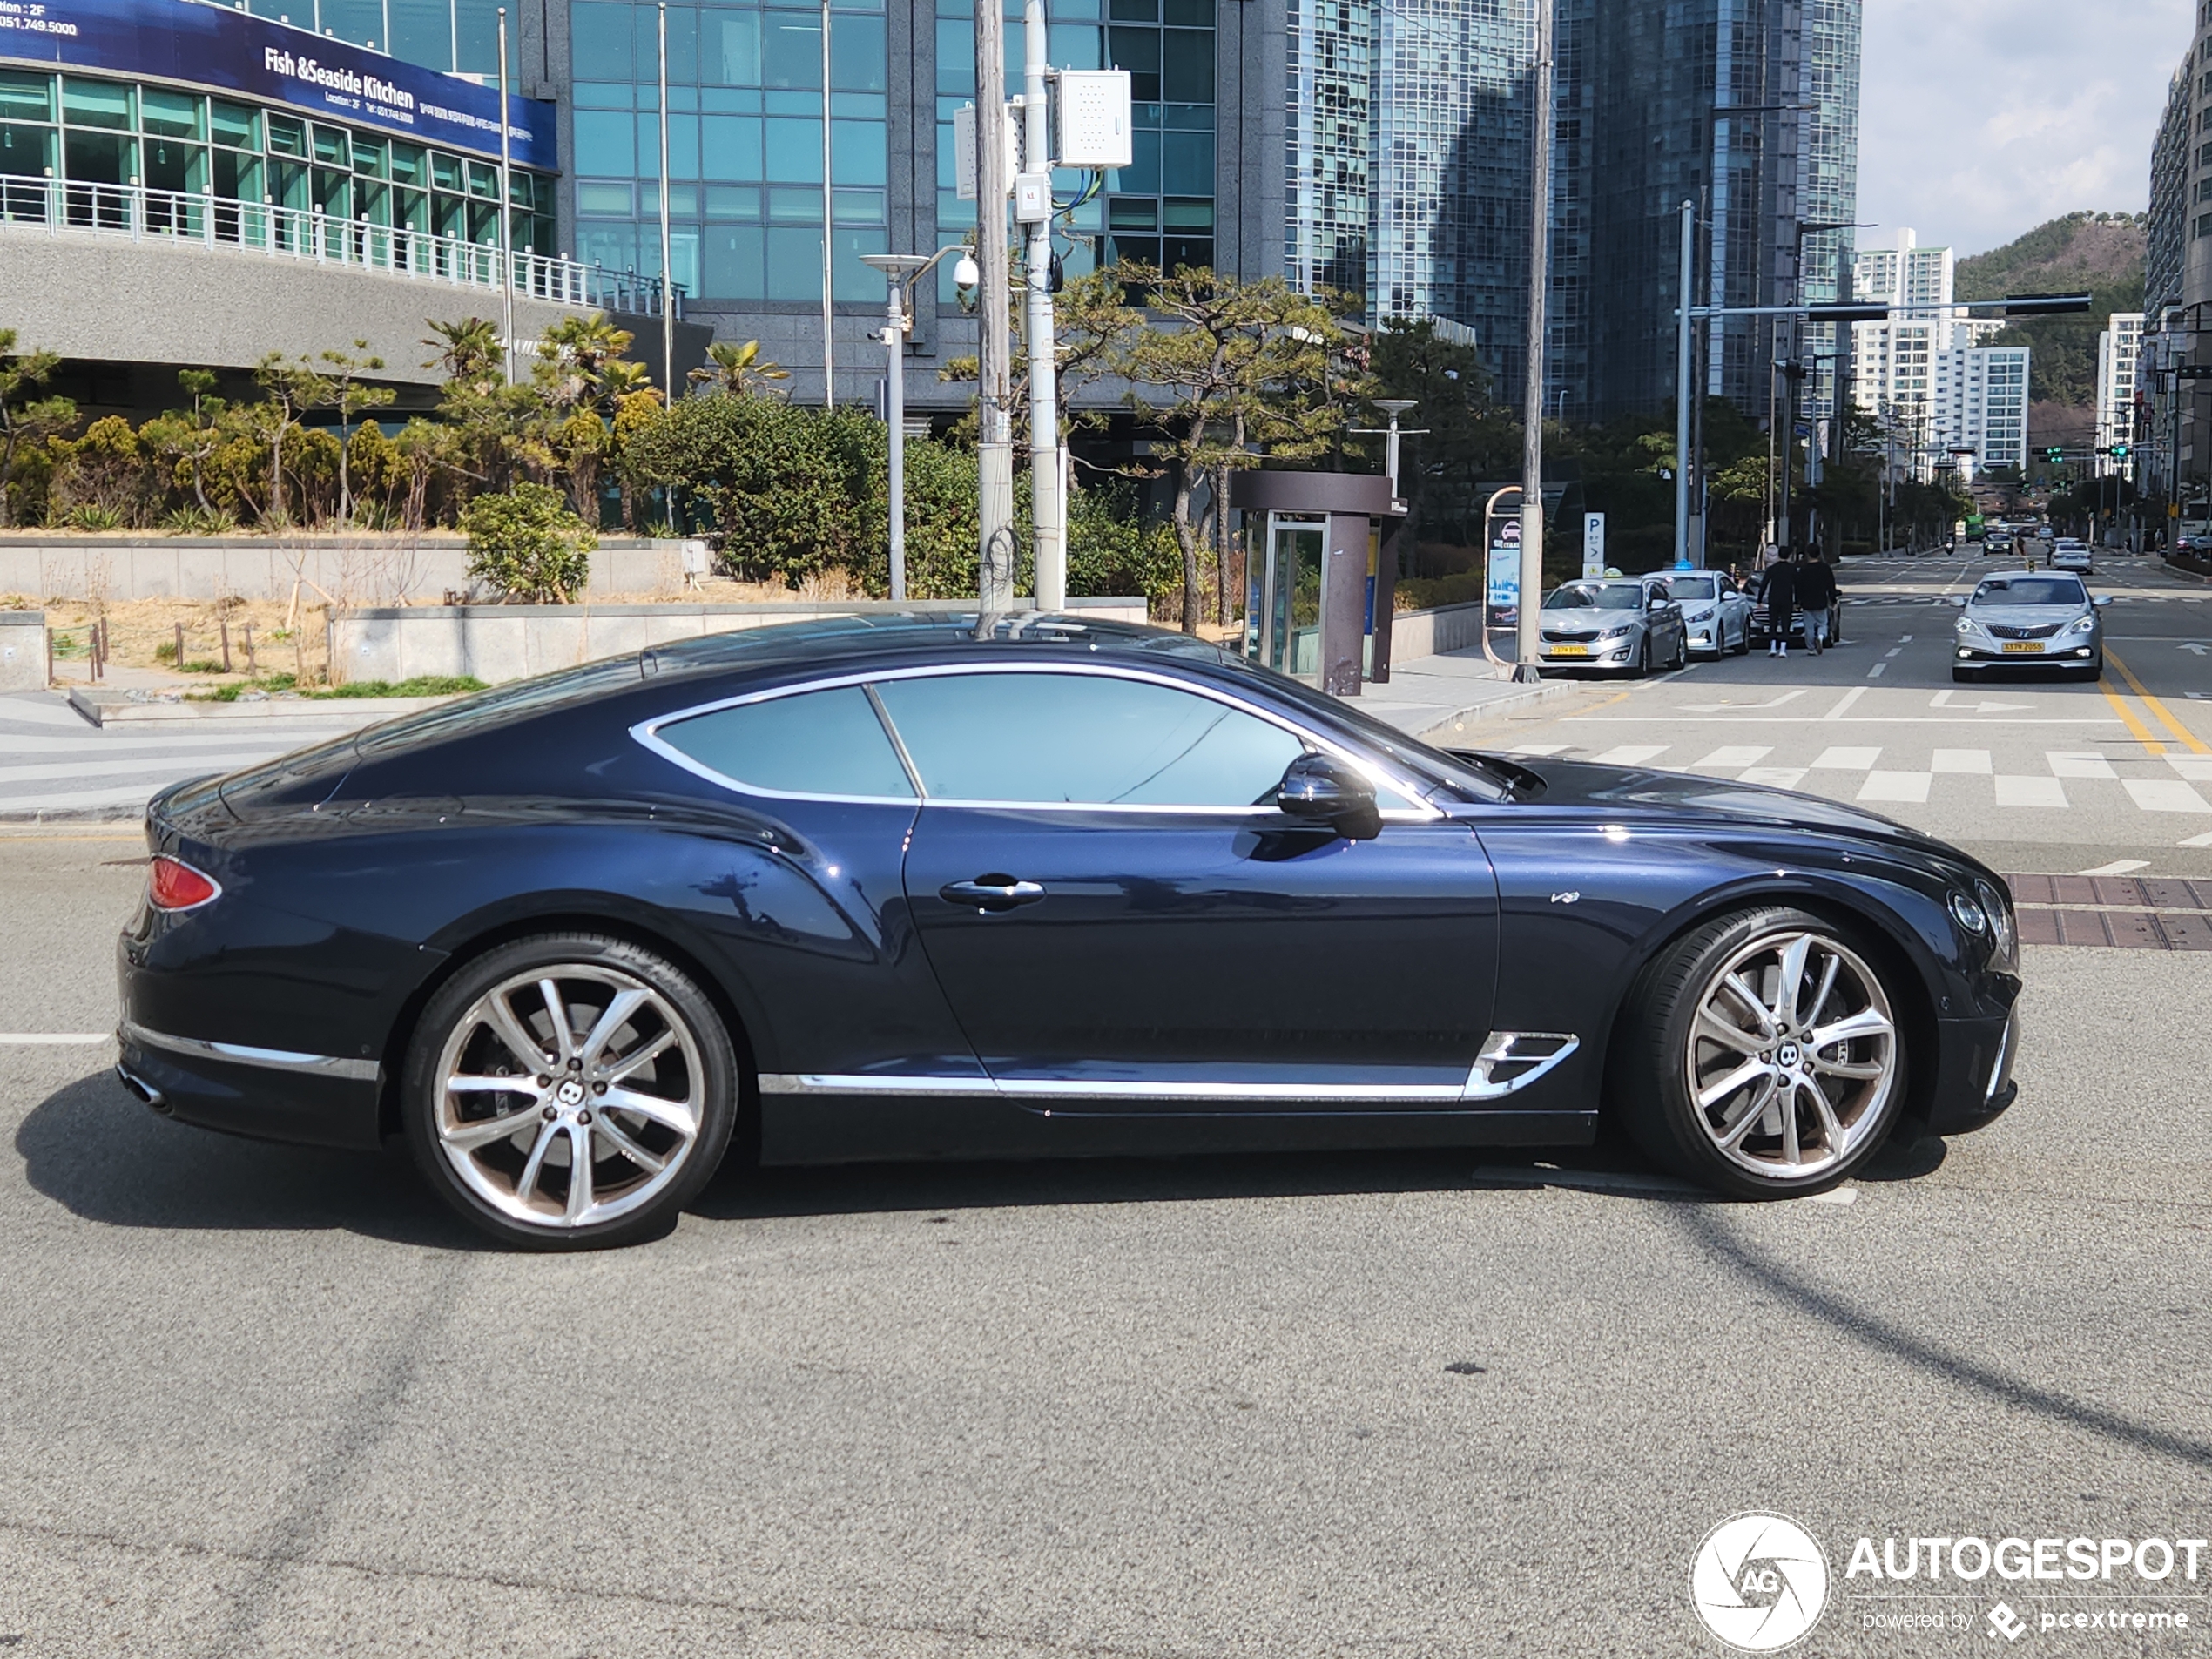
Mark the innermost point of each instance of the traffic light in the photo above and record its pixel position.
(2120, 452)
(2054, 456)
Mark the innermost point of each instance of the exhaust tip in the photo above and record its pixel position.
(145, 1091)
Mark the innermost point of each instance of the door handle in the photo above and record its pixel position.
(991, 893)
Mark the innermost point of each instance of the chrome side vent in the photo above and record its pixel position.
(1512, 1060)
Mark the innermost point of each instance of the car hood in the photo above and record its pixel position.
(2024, 615)
(1635, 793)
(1588, 622)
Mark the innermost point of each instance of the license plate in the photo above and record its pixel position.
(1568, 651)
(2035, 646)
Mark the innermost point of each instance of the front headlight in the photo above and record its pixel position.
(1705, 614)
(2083, 625)
(1620, 632)
(1967, 625)
(2004, 930)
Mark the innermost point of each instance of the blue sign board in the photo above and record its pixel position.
(208, 45)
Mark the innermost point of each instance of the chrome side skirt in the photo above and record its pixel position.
(1510, 1062)
(239, 1054)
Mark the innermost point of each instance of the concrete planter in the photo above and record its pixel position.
(499, 642)
(23, 651)
(1415, 634)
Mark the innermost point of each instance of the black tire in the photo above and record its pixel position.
(1642, 670)
(1657, 1055)
(1743, 642)
(698, 1060)
(1681, 653)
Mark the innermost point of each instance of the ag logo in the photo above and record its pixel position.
(1759, 1582)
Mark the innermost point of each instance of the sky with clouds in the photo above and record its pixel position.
(1979, 119)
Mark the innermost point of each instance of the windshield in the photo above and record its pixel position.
(1595, 598)
(2032, 591)
(1690, 587)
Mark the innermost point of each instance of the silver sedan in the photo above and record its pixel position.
(2027, 619)
(1623, 626)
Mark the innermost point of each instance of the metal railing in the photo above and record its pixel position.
(148, 215)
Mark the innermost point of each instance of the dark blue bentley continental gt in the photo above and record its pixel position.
(879, 889)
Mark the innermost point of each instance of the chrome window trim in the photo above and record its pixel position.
(1482, 1085)
(239, 1054)
(647, 733)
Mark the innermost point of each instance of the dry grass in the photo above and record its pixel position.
(142, 633)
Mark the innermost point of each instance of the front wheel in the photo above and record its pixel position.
(1643, 668)
(569, 1091)
(1763, 1056)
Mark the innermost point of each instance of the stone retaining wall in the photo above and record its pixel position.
(23, 651)
(498, 643)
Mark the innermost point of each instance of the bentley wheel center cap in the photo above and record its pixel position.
(1787, 1056)
(571, 1092)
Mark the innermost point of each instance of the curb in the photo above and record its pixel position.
(1513, 702)
(59, 817)
(360, 710)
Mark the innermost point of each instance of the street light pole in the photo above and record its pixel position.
(667, 277)
(902, 270)
(506, 225)
(1048, 515)
(995, 445)
(1527, 660)
(1682, 384)
(829, 316)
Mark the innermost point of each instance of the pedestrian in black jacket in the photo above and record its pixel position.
(1781, 596)
(1817, 598)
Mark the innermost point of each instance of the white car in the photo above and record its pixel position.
(1716, 613)
(2069, 554)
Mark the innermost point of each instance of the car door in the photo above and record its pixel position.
(1121, 919)
(1662, 618)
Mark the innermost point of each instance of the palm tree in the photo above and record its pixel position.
(737, 371)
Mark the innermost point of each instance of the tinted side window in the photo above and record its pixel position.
(1086, 738)
(817, 742)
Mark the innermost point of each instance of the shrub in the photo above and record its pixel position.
(194, 520)
(91, 516)
(527, 543)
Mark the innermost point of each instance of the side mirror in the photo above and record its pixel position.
(1321, 789)
(1960, 602)
(2103, 600)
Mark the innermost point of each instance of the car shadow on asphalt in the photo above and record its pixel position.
(100, 1154)
(92, 1149)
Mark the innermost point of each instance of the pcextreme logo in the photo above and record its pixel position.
(1759, 1582)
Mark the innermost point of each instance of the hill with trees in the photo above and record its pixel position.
(2101, 252)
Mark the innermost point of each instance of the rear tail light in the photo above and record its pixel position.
(172, 885)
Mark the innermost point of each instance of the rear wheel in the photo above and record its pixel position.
(1763, 1056)
(569, 1091)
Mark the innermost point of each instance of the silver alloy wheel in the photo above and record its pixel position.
(569, 1095)
(1792, 1055)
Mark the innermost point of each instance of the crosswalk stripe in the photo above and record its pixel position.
(1847, 760)
(1735, 757)
(2031, 792)
(2066, 763)
(2196, 768)
(1897, 786)
(1975, 761)
(2165, 795)
(1633, 754)
(1774, 776)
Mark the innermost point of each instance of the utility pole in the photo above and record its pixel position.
(994, 450)
(1531, 597)
(667, 277)
(1682, 382)
(506, 230)
(1033, 208)
(829, 285)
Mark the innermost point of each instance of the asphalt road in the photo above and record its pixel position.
(261, 1401)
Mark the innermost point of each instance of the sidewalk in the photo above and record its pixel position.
(1438, 698)
(58, 767)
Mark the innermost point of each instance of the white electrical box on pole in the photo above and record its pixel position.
(994, 447)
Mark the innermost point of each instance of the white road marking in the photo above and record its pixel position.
(1773, 777)
(1899, 652)
(1734, 757)
(1847, 760)
(1975, 761)
(1942, 700)
(1631, 754)
(1716, 708)
(1875, 673)
(2031, 792)
(1897, 787)
(2196, 768)
(2067, 763)
(2165, 795)
(1844, 706)
(2204, 839)
(2118, 866)
(52, 1039)
(1540, 749)
(1905, 639)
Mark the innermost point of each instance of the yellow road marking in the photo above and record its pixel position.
(2127, 716)
(2165, 715)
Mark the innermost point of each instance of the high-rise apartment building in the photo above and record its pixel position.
(2120, 349)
